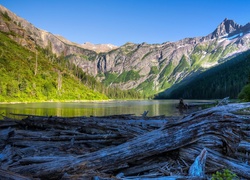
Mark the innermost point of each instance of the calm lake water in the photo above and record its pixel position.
(69, 109)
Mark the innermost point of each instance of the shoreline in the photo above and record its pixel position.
(26, 102)
(67, 101)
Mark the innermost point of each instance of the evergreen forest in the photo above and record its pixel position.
(224, 80)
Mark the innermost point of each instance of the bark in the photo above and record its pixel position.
(11, 176)
(84, 146)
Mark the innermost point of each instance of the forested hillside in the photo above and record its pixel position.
(41, 76)
(224, 80)
(29, 76)
(38, 65)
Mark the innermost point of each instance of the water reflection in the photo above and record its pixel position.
(70, 109)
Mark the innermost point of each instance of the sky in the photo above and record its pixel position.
(120, 21)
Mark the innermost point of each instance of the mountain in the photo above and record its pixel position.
(224, 80)
(29, 36)
(159, 66)
(99, 47)
(225, 28)
(147, 68)
(152, 68)
(30, 76)
(33, 71)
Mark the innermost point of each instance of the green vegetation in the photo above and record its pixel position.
(208, 53)
(244, 95)
(110, 78)
(5, 16)
(183, 64)
(30, 76)
(116, 93)
(224, 80)
(165, 85)
(146, 55)
(154, 70)
(226, 174)
(215, 56)
(199, 48)
(167, 70)
(128, 76)
(147, 88)
(195, 59)
(39, 75)
(123, 77)
(211, 47)
(228, 50)
(128, 48)
(206, 47)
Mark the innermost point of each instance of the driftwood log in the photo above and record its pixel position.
(126, 146)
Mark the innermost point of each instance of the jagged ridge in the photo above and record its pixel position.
(149, 68)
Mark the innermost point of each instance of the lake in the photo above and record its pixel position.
(100, 108)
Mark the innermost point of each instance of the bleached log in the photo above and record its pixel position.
(218, 124)
(4, 174)
(216, 160)
(197, 169)
(5, 155)
(172, 136)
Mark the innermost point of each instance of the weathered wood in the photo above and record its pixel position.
(7, 175)
(6, 123)
(162, 177)
(224, 101)
(84, 147)
(198, 167)
(170, 137)
(5, 134)
(244, 146)
(215, 159)
(145, 113)
(5, 155)
(145, 166)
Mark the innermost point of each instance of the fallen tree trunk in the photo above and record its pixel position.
(149, 144)
(218, 125)
(11, 176)
(216, 161)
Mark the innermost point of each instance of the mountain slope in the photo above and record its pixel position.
(148, 68)
(29, 76)
(224, 80)
(62, 79)
(159, 66)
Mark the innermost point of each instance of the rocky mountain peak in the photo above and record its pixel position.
(99, 47)
(148, 68)
(226, 27)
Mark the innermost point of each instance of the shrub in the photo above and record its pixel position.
(226, 174)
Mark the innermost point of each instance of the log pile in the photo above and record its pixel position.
(127, 146)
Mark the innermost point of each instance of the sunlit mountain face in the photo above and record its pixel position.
(146, 68)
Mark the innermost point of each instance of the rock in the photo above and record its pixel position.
(158, 66)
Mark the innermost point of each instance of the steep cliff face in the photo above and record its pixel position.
(159, 66)
(149, 68)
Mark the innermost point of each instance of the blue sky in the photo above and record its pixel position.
(121, 21)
